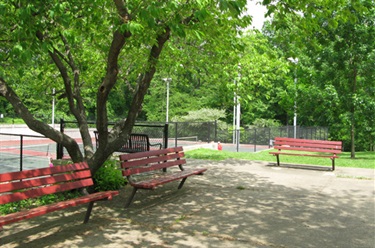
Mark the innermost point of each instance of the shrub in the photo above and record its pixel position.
(109, 177)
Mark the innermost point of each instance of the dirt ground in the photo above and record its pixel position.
(235, 204)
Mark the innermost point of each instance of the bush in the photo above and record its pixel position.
(109, 177)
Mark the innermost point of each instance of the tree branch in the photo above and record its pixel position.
(38, 126)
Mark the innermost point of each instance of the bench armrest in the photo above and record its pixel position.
(157, 144)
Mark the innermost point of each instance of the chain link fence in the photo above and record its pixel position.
(14, 149)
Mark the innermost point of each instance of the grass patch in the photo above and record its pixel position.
(362, 160)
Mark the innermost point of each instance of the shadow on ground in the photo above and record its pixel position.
(235, 204)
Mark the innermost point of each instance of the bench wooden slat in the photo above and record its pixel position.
(315, 148)
(26, 214)
(155, 160)
(141, 161)
(158, 166)
(307, 149)
(24, 184)
(46, 190)
(154, 182)
(293, 140)
(18, 175)
(306, 155)
(320, 146)
(17, 186)
(152, 153)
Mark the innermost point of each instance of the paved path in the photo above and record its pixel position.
(235, 204)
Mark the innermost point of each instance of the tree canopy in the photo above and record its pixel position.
(107, 59)
(88, 49)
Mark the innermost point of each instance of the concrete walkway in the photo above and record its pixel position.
(235, 204)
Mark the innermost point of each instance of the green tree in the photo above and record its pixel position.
(335, 77)
(88, 49)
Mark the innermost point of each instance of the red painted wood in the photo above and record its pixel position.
(154, 182)
(153, 167)
(152, 160)
(150, 153)
(39, 181)
(41, 172)
(40, 191)
(306, 155)
(16, 186)
(292, 148)
(308, 141)
(149, 158)
(14, 217)
(321, 146)
(138, 163)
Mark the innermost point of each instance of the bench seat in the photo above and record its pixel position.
(160, 180)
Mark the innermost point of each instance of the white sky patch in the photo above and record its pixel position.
(257, 11)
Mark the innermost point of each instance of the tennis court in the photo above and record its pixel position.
(37, 151)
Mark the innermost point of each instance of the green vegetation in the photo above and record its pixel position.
(110, 60)
(36, 202)
(362, 160)
(109, 177)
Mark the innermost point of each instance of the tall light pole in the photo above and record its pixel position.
(237, 113)
(53, 107)
(167, 110)
(295, 61)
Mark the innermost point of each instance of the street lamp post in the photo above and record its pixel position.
(53, 107)
(167, 110)
(295, 61)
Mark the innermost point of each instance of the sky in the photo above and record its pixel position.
(257, 11)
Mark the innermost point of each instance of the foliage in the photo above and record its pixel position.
(201, 115)
(363, 160)
(335, 73)
(109, 177)
(260, 122)
(101, 56)
(36, 202)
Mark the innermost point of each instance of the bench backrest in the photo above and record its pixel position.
(323, 146)
(137, 143)
(20, 185)
(140, 162)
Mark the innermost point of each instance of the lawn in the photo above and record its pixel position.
(362, 160)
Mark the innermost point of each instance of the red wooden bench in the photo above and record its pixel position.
(315, 148)
(157, 161)
(17, 186)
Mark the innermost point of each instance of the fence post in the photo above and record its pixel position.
(59, 147)
(255, 139)
(175, 141)
(166, 125)
(21, 152)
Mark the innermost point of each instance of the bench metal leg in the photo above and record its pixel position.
(182, 183)
(333, 164)
(131, 197)
(88, 212)
(278, 160)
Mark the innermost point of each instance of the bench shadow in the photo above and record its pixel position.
(301, 166)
